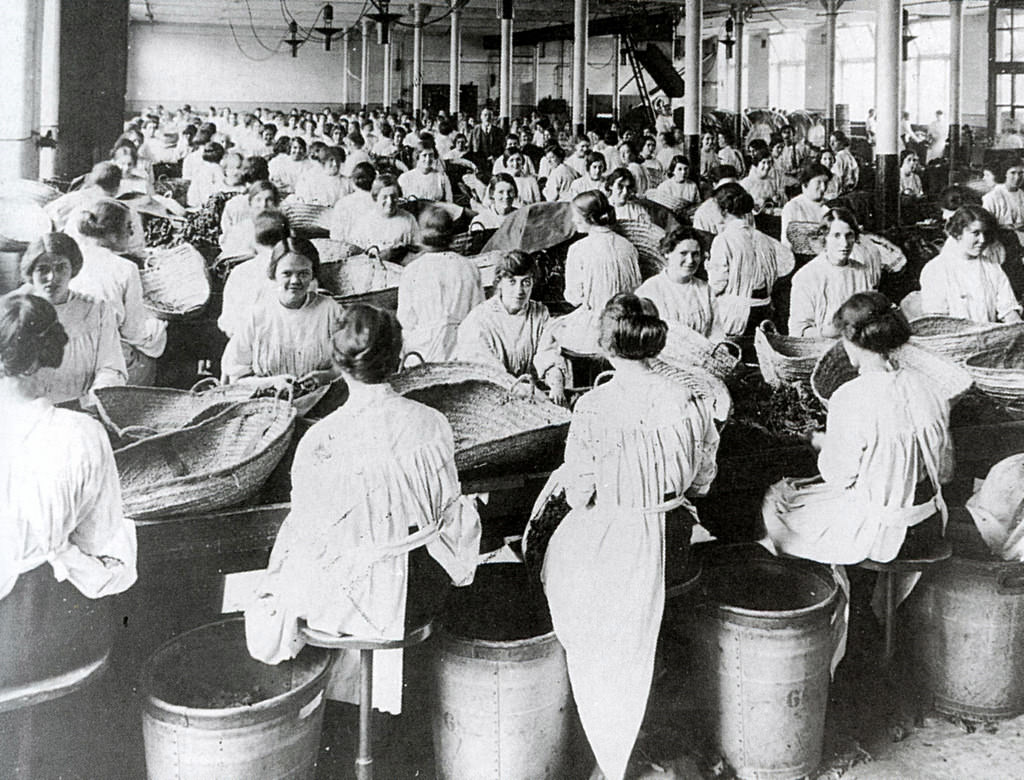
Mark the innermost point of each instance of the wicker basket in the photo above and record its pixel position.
(334, 251)
(21, 222)
(958, 339)
(833, 370)
(671, 202)
(29, 191)
(216, 464)
(362, 279)
(646, 237)
(702, 384)
(685, 348)
(132, 413)
(175, 282)
(999, 371)
(308, 220)
(493, 426)
(471, 242)
(805, 238)
(786, 359)
(893, 258)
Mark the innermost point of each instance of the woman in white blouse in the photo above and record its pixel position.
(386, 225)
(92, 356)
(621, 186)
(680, 296)
(965, 280)
(287, 336)
(593, 176)
(58, 480)
(104, 227)
(426, 181)
(501, 198)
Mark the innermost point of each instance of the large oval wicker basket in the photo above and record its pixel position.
(29, 190)
(175, 282)
(833, 370)
(21, 222)
(702, 384)
(786, 359)
(685, 347)
(494, 426)
(958, 339)
(307, 220)
(999, 371)
(216, 464)
(646, 237)
(133, 413)
(333, 251)
(362, 279)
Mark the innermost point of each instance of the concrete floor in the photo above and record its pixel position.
(878, 727)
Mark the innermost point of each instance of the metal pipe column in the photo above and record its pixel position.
(580, 12)
(740, 12)
(388, 65)
(417, 60)
(505, 66)
(455, 54)
(364, 68)
(693, 73)
(20, 52)
(536, 75)
(49, 87)
(344, 69)
(616, 46)
(831, 12)
(956, 20)
(887, 101)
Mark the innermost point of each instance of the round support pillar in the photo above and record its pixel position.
(738, 97)
(887, 101)
(364, 67)
(417, 60)
(692, 82)
(455, 54)
(21, 38)
(579, 66)
(956, 20)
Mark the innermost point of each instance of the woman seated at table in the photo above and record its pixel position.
(502, 195)
(323, 184)
(593, 177)
(809, 205)
(386, 226)
(506, 328)
(286, 337)
(621, 186)
(92, 356)
(377, 528)
(910, 182)
(678, 184)
(638, 447)
(965, 280)
(427, 181)
(680, 296)
(134, 177)
(238, 231)
(58, 481)
(744, 264)
(103, 228)
(249, 282)
(763, 188)
(526, 183)
(884, 455)
(847, 266)
(437, 290)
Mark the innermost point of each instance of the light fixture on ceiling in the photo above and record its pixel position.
(328, 30)
(294, 40)
(384, 19)
(728, 41)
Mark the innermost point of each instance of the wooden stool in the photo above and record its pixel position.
(935, 551)
(365, 646)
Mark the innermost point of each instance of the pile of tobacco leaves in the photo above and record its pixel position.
(764, 417)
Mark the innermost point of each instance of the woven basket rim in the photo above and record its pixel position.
(107, 398)
(984, 354)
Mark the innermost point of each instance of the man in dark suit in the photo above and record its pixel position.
(486, 141)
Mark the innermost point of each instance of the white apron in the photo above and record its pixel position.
(733, 312)
(604, 579)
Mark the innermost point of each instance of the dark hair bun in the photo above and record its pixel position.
(31, 336)
(871, 322)
(368, 343)
(632, 328)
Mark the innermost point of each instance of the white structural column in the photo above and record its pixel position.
(505, 67)
(887, 103)
(740, 13)
(417, 59)
(616, 48)
(344, 68)
(580, 13)
(692, 79)
(21, 28)
(536, 74)
(364, 68)
(831, 12)
(388, 66)
(956, 21)
(49, 88)
(455, 76)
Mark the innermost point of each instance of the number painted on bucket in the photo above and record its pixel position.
(795, 698)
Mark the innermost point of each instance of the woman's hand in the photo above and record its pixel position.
(818, 440)
(555, 380)
(315, 379)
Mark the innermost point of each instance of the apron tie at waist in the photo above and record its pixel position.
(910, 516)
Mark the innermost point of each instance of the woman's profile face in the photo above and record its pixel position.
(839, 240)
(503, 197)
(683, 260)
(514, 292)
(51, 276)
(387, 201)
(971, 240)
(332, 166)
(293, 277)
(649, 149)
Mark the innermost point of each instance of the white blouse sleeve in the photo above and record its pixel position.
(934, 295)
(802, 322)
(840, 459)
(578, 474)
(237, 360)
(574, 276)
(110, 367)
(718, 265)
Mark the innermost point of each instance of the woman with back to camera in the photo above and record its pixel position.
(92, 356)
(883, 457)
(58, 480)
(602, 263)
(637, 446)
(377, 527)
(104, 227)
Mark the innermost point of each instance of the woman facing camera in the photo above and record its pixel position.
(376, 529)
(58, 480)
(637, 446)
(681, 297)
(92, 356)
(884, 454)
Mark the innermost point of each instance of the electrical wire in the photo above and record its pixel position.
(244, 53)
(252, 27)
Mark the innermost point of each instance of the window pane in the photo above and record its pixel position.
(1004, 52)
(1018, 89)
(1003, 85)
(1004, 18)
(1004, 119)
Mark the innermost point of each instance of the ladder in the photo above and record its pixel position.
(638, 75)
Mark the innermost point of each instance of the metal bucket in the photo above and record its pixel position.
(53, 640)
(762, 644)
(966, 623)
(211, 712)
(503, 707)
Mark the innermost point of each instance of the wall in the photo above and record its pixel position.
(974, 65)
(756, 76)
(93, 64)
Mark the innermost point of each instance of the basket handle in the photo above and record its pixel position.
(524, 379)
(207, 383)
(408, 355)
(733, 349)
(768, 327)
(603, 377)
(148, 261)
(137, 432)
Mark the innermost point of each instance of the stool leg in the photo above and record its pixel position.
(364, 758)
(889, 591)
